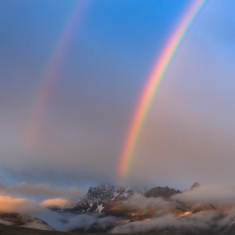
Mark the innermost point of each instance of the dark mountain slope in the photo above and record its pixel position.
(164, 192)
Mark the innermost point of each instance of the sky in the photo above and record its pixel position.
(72, 72)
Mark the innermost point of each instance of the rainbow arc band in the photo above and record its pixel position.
(152, 86)
(45, 87)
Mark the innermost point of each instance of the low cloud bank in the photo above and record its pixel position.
(139, 201)
(200, 220)
(59, 221)
(215, 194)
(84, 221)
(20, 205)
(44, 189)
(58, 202)
(219, 213)
(68, 222)
(175, 214)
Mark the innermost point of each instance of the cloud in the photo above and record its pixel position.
(20, 205)
(146, 225)
(58, 202)
(84, 221)
(200, 220)
(39, 210)
(212, 194)
(222, 212)
(164, 219)
(9, 202)
(58, 221)
(80, 221)
(140, 202)
(37, 224)
(228, 218)
(43, 189)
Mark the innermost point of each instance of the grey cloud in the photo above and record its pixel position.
(146, 225)
(215, 194)
(43, 189)
(84, 221)
(229, 218)
(200, 220)
(20, 205)
(62, 222)
(141, 202)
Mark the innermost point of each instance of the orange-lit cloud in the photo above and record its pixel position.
(21, 205)
(57, 202)
(43, 189)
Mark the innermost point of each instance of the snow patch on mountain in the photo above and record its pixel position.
(99, 208)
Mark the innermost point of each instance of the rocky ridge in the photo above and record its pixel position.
(99, 198)
(164, 192)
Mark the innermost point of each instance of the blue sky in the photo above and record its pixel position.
(189, 132)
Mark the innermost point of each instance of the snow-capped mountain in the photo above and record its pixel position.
(106, 208)
(104, 195)
(126, 209)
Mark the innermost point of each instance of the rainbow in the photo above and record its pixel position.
(152, 86)
(44, 91)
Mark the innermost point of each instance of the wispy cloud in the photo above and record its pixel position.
(21, 205)
(140, 202)
(43, 189)
(201, 220)
(58, 202)
(213, 194)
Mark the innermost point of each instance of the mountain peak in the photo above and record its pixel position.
(195, 185)
(164, 192)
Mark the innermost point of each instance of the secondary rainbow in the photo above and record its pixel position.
(152, 85)
(45, 88)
